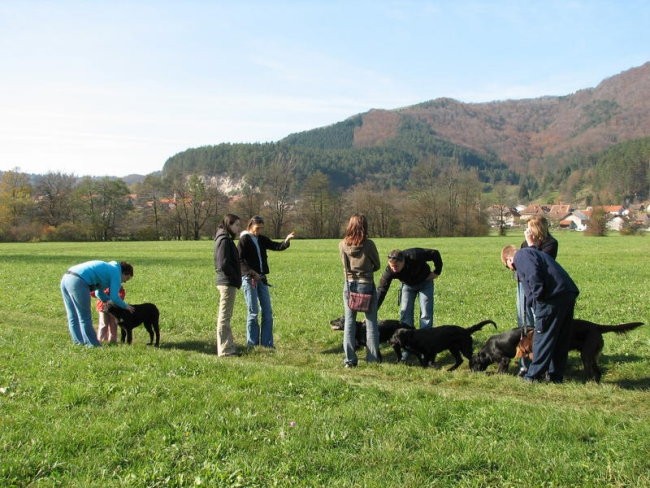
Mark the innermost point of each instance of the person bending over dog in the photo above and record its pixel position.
(76, 285)
(552, 294)
(535, 235)
(410, 267)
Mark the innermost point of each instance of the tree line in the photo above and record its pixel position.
(439, 200)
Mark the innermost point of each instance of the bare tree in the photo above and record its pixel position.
(279, 182)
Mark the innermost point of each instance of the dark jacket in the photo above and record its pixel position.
(226, 260)
(415, 269)
(542, 277)
(249, 260)
(549, 246)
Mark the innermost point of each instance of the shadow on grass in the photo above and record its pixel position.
(635, 384)
(195, 346)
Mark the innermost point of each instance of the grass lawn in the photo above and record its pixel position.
(180, 416)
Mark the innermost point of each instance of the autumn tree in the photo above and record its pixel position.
(15, 202)
(56, 201)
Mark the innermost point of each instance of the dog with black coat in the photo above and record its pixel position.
(427, 343)
(386, 330)
(144, 313)
(586, 337)
(500, 349)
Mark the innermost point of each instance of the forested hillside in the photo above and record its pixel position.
(428, 170)
(544, 146)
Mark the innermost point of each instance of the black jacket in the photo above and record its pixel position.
(249, 260)
(549, 245)
(226, 260)
(415, 269)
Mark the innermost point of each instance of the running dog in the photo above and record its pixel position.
(145, 313)
(427, 343)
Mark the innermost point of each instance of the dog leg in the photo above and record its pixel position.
(504, 364)
(458, 358)
(398, 352)
(150, 330)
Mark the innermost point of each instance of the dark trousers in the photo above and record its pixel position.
(552, 338)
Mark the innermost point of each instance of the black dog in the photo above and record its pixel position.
(145, 313)
(427, 343)
(386, 330)
(587, 338)
(499, 348)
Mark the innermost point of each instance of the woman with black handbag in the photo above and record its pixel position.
(360, 261)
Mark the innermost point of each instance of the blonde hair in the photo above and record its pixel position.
(538, 226)
(508, 252)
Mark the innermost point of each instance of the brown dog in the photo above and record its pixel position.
(525, 346)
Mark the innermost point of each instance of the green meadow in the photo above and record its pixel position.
(177, 416)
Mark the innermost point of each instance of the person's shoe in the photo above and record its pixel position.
(350, 365)
(522, 372)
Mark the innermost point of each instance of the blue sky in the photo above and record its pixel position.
(117, 87)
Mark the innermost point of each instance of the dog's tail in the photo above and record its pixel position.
(480, 325)
(620, 328)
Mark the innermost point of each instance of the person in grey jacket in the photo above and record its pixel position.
(228, 280)
(360, 261)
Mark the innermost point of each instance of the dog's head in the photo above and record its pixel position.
(479, 361)
(338, 323)
(525, 346)
(400, 337)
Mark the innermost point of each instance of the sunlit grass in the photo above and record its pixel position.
(180, 416)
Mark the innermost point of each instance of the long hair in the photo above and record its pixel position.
(227, 222)
(357, 230)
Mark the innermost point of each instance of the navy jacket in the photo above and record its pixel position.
(542, 277)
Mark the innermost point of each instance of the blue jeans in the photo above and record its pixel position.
(350, 328)
(76, 298)
(524, 313)
(524, 318)
(258, 300)
(424, 291)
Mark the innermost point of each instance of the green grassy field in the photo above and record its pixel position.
(181, 416)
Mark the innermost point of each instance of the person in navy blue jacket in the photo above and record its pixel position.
(552, 294)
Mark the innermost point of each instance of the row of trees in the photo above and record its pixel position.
(440, 200)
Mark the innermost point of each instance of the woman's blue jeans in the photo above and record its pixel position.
(258, 302)
(350, 328)
(76, 298)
